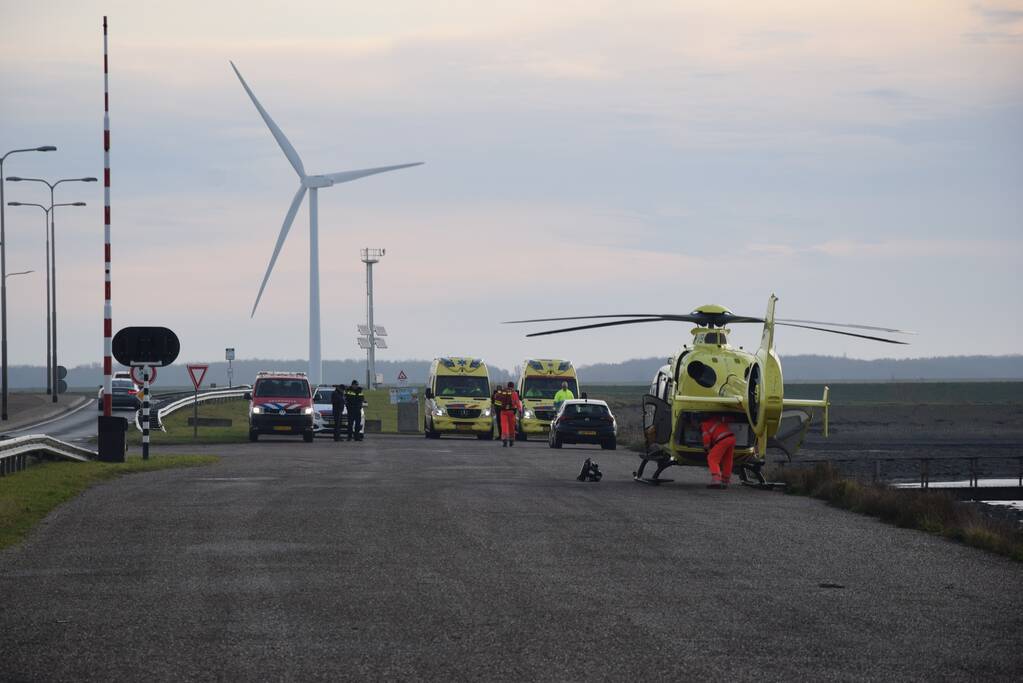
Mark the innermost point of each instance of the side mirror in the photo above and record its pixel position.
(428, 393)
(248, 395)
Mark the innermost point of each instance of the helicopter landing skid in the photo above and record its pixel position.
(654, 480)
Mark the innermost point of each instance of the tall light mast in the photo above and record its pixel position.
(371, 333)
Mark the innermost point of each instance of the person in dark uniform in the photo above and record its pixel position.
(337, 406)
(353, 403)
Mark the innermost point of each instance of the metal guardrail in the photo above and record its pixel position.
(178, 404)
(876, 465)
(14, 452)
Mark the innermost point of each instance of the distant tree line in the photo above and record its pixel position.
(334, 372)
(807, 368)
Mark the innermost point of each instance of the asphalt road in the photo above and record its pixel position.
(406, 558)
(78, 425)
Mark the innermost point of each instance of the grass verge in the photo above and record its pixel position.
(378, 409)
(28, 496)
(930, 511)
(180, 432)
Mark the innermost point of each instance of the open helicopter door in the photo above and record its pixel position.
(656, 427)
(791, 432)
(765, 386)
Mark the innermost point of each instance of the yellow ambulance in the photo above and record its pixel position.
(539, 380)
(458, 398)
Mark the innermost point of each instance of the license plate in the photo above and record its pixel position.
(587, 432)
(463, 427)
(282, 428)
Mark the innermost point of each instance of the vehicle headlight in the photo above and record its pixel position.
(256, 410)
(486, 412)
(438, 412)
(307, 411)
(528, 414)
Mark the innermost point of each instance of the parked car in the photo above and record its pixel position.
(281, 403)
(584, 421)
(124, 393)
(323, 412)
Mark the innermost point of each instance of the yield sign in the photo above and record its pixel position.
(402, 376)
(197, 372)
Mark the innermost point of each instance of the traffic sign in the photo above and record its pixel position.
(61, 386)
(156, 346)
(229, 353)
(61, 372)
(197, 372)
(136, 375)
(402, 376)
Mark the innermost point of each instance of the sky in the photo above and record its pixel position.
(862, 161)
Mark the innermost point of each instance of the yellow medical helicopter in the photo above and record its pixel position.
(711, 378)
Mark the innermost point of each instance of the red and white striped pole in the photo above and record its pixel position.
(107, 308)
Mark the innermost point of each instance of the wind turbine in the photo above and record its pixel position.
(311, 183)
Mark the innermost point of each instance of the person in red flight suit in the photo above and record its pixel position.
(719, 441)
(507, 401)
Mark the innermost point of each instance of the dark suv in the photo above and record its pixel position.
(124, 393)
(584, 421)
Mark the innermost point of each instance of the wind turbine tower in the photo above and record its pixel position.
(312, 183)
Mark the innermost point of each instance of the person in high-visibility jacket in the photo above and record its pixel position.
(507, 401)
(719, 442)
(563, 394)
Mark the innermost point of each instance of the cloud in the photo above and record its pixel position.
(998, 15)
(896, 249)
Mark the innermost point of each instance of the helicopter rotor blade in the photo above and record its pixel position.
(856, 327)
(742, 319)
(696, 318)
(847, 334)
(592, 317)
(595, 326)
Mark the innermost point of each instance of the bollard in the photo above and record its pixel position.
(111, 431)
(145, 413)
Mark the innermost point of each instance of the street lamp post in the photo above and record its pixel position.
(53, 267)
(50, 361)
(3, 276)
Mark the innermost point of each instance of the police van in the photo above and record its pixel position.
(539, 380)
(458, 398)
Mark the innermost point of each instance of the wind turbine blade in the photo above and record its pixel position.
(347, 176)
(278, 134)
(292, 210)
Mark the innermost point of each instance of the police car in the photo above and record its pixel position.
(323, 413)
